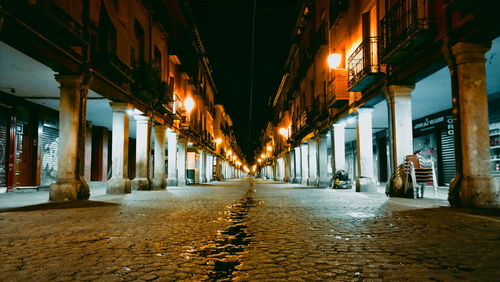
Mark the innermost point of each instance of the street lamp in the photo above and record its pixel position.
(189, 104)
(334, 60)
(262, 156)
(269, 148)
(218, 141)
(283, 131)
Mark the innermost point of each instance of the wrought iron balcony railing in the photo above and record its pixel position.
(363, 65)
(176, 108)
(406, 27)
(338, 94)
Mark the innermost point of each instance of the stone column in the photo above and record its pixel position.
(286, 177)
(364, 182)
(298, 165)
(399, 104)
(70, 184)
(141, 180)
(304, 152)
(119, 182)
(88, 152)
(203, 165)
(292, 165)
(312, 150)
(159, 161)
(324, 180)
(208, 168)
(181, 161)
(338, 147)
(473, 185)
(172, 158)
(218, 166)
(277, 169)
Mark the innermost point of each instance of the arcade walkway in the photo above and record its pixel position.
(248, 230)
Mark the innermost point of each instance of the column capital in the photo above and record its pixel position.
(160, 127)
(141, 118)
(69, 80)
(120, 107)
(467, 52)
(364, 111)
(339, 125)
(400, 90)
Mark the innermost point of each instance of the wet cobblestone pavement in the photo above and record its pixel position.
(249, 230)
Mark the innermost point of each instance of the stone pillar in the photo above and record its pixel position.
(364, 182)
(313, 162)
(88, 152)
(298, 165)
(70, 184)
(208, 168)
(141, 180)
(218, 166)
(181, 161)
(159, 161)
(278, 165)
(324, 180)
(304, 152)
(172, 158)
(338, 147)
(399, 104)
(292, 165)
(286, 177)
(473, 185)
(119, 182)
(203, 165)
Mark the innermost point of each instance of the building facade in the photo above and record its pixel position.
(368, 83)
(101, 90)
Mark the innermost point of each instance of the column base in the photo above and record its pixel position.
(69, 190)
(365, 184)
(118, 186)
(304, 181)
(286, 179)
(181, 182)
(297, 180)
(141, 184)
(171, 181)
(159, 183)
(313, 181)
(324, 182)
(476, 191)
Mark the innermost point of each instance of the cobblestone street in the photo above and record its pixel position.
(248, 230)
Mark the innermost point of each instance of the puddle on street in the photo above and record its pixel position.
(225, 252)
(361, 215)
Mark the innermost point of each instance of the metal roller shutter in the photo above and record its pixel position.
(4, 147)
(448, 158)
(50, 148)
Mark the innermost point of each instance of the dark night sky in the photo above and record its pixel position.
(226, 30)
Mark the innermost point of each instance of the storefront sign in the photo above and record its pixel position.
(438, 121)
(449, 122)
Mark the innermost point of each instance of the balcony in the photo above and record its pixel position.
(404, 29)
(175, 108)
(338, 89)
(363, 66)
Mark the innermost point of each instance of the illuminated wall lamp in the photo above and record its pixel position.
(334, 60)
